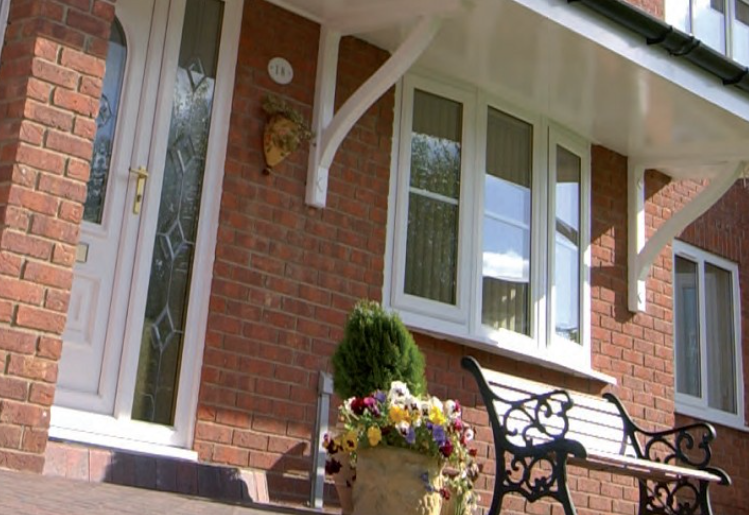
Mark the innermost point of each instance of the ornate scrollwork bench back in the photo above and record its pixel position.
(537, 431)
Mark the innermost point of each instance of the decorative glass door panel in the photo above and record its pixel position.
(166, 304)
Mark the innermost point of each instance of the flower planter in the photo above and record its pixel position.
(390, 480)
(344, 483)
(278, 139)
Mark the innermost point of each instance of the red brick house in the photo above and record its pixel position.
(509, 175)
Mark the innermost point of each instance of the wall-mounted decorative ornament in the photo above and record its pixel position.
(285, 130)
(280, 70)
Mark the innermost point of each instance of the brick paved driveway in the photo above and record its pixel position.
(31, 494)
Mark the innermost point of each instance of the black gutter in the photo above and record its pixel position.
(674, 41)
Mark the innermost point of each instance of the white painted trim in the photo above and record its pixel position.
(387, 284)
(205, 244)
(331, 137)
(674, 225)
(4, 9)
(635, 234)
(88, 428)
(698, 407)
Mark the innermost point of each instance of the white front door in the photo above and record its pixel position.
(131, 348)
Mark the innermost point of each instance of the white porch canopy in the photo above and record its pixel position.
(562, 60)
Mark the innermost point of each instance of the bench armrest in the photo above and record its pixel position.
(685, 445)
(534, 421)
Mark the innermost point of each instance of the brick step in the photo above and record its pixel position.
(128, 468)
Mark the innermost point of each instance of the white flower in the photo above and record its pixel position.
(403, 427)
(452, 409)
(398, 392)
(468, 435)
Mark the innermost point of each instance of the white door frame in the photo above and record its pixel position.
(119, 430)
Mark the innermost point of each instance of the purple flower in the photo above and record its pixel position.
(438, 433)
(380, 396)
(411, 436)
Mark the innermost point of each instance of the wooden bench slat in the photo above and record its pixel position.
(641, 469)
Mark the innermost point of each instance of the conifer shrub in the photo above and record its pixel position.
(376, 349)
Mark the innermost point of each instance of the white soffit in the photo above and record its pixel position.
(582, 71)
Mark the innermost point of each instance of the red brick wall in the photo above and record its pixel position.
(287, 274)
(654, 7)
(50, 81)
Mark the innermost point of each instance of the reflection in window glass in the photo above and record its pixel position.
(566, 299)
(434, 192)
(721, 359)
(106, 121)
(687, 327)
(507, 224)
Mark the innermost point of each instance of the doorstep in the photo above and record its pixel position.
(128, 468)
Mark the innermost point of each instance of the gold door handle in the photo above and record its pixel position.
(141, 175)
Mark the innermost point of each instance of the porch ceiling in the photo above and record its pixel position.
(580, 70)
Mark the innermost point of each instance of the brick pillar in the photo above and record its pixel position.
(51, 72)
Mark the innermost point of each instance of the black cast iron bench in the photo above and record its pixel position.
(538, 431)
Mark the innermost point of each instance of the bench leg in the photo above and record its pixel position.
(681, 497)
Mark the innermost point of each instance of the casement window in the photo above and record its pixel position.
(721, 24)
(491, 225)
(4, 8)
(707, 338)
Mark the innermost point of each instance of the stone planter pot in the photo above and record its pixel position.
(396, 481)
(344, 483)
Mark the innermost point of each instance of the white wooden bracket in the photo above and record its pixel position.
(642, 254)
(331, 129)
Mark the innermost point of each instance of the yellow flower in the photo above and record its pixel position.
(436, 416)
(375, 435)
(349, 441)
(398, 414)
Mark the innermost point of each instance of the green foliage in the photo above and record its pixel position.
(376, 350)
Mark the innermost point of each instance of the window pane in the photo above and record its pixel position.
(507, 224)
(432, 252)
(721, 359)
(433, 209)
(740, 34)
(93, 209)
(709, 23)
(435, 144)
(687, 325)
(566, 300)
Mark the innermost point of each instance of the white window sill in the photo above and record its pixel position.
(711, 416)
(418, 324)
(104, 431)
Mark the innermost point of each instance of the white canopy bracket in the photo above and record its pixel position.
(330, 130)
(642, 254)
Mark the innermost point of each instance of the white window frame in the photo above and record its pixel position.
(698, 406)
(462, 322)
(4, 9)
(729, 16)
